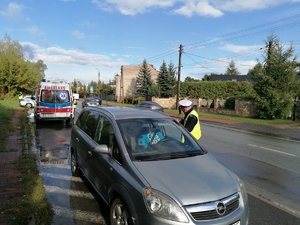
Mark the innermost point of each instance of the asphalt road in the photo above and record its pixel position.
(269, 185)
(269, 166)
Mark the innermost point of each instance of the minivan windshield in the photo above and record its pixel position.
(55, 96)
(157, 139)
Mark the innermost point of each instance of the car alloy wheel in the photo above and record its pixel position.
(119, 214)
(74, 165)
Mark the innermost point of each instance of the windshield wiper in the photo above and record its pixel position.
(176, 156)
(170, 156)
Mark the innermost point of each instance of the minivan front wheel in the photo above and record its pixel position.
(119, 214)
(74, 165)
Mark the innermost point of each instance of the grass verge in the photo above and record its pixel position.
(5, 118)
(223, 117)
(33, 204)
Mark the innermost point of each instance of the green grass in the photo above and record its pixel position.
(10, 103)
(33, 202)
(6, 126)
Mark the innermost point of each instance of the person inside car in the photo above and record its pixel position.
(149, 136)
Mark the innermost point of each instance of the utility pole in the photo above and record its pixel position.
(98, 85)
(178, 74)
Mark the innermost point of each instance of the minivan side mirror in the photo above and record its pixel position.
(101, 149)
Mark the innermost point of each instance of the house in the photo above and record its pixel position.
(126, 82)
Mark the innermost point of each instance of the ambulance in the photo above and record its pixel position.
(54, 101)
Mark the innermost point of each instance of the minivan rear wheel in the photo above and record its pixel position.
(119, 213)
(74, 165)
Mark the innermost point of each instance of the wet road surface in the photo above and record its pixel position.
(75, 202)
(72, 198)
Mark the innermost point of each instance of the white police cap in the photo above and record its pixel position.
(185, 103)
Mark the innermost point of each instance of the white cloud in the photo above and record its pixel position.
(73, 63)
(188, 8)
(238, 5)
(77, 34)
(242, 49)
(199, 8)
(133, 7)
(67, 57)
(13, 11)
(35, 31)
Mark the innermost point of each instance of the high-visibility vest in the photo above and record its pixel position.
(74, 103)
(196, 132)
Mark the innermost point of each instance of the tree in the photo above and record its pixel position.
(190, 79)
(165, 80)
(172, 78)
(231, 69)
(41, 67)
(143, 81)
(274, 92)
(17, 74)
(258, 69)
(206, 77)
(107, 89)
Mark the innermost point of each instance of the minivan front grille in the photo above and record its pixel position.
(216, 209)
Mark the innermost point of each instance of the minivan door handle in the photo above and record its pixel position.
(77, 139)
(90, 153)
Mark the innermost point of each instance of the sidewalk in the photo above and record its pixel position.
(286, 131)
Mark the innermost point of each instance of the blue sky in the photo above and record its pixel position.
(76, 39)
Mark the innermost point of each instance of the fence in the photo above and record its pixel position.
(243, 108)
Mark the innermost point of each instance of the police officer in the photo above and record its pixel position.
(191, 120)
(74, 106)
(20, 96)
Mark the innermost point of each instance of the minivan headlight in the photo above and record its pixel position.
(243, 190)
(160, 204)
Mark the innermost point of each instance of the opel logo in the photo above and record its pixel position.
(220, 208)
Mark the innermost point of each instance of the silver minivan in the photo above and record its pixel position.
(151, 171)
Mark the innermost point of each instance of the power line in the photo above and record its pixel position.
(199, 63)
(247, 29)
(227, 57)
(233, 36)
(159, 56)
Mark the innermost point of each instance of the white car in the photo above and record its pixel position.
(28, 101)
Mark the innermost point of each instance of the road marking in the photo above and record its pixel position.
(77, 214)
(82, 194)
(269, 149)
(62, 177)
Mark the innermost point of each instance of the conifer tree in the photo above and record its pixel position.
(231, 69)
(163, 81)
(274, 92)
(258, 69)
(172, 79)
(143, 81)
